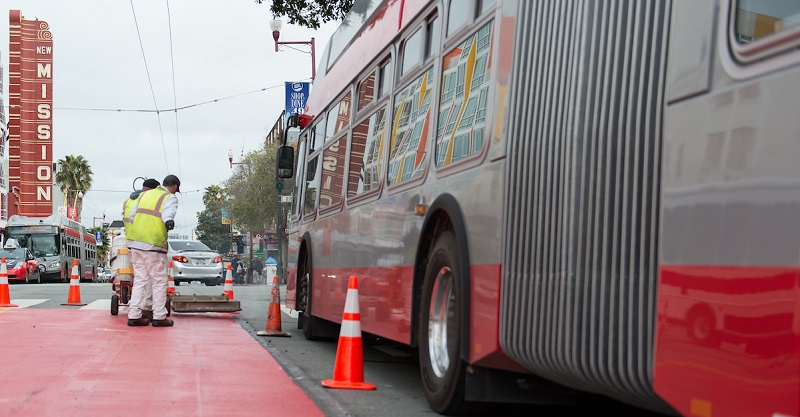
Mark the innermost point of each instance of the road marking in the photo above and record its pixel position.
(27, 302)
(101, 304)
(290, 313)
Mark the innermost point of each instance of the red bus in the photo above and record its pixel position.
(56, 241)
(556, 198)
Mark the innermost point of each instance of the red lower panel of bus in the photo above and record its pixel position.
(728, 340)
(385, 303)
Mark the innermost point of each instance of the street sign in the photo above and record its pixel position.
(98, 236)
(286, 199)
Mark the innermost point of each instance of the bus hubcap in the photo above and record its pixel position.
(441, 309)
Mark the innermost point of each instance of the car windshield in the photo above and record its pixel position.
(188, 245)
(108, 271)
(18, 253)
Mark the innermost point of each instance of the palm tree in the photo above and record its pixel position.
(74, 175)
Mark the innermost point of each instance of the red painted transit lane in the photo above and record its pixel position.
(81, 363)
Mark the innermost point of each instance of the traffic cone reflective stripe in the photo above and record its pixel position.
(5, 295)
(170, 280)
(228, 289)
(274, 314)
(74, 296)
(348, 371)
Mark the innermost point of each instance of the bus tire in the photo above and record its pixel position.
(441, 368)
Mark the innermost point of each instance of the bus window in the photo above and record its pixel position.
(409, 139)
(462, 113)
(411, 52)
(332, 181)
(311, 189)
(366, 91)
(431, 37)
(338, 117)
(298, 174)
(365, 154)
(384, 79)
(759, 19)
(458, 16)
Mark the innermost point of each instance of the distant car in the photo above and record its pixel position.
(192, 260)
(21, 265)
(103, 274)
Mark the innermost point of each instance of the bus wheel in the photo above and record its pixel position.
(442, 370)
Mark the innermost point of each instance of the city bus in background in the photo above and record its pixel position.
(551, 199)
(56, 241)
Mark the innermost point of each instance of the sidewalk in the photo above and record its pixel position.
(82, 363)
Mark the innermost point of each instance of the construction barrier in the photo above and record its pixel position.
(5, 295)
(274, 314)
(74, 296)
(348, 371)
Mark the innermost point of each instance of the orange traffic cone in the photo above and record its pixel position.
(348, 371)
(5, 296)
(274, 315)
(74, 296)
(228, 288)
(170, 280)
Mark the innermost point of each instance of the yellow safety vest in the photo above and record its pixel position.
(147, 225)
(126, 211)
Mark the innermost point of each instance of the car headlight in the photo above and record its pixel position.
(10, 264)
(54, 265)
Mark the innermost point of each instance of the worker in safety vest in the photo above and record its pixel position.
(127, 205)
(153, 216)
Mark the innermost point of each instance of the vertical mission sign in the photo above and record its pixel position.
(30, 115)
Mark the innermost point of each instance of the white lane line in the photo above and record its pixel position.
(290, 313)
(101, 304)
(27, 302)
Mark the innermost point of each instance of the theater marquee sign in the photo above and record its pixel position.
(30, 117)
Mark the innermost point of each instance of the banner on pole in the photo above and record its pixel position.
(296, 97)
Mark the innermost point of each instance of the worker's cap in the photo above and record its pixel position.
(172, 180)
(151, 183)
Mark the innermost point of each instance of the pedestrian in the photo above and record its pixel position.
(127, 205)
(153, 216)
(255, 269)
(237, 279)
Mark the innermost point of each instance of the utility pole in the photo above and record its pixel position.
(280, 231)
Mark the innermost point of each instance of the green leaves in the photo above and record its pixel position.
(310, 14)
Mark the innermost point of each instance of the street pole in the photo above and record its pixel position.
(280, 231)
(249, 278)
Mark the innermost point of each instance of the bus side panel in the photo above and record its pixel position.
(728, 337)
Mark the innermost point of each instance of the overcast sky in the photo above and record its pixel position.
(219, 48)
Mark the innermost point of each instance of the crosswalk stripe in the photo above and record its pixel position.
(27, 302)
(290, 313)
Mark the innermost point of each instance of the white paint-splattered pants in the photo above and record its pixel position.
(148, 268)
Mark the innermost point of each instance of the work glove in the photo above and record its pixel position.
(170, 224)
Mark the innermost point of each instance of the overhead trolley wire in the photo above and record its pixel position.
(189, 106)
(150, 81)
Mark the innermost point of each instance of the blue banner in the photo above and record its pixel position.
(98, 236)
(296, 96)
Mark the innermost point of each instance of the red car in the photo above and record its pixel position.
(21, 265)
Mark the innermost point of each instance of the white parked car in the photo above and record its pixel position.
(192, 260)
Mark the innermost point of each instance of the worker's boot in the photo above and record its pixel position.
(141, 321)
(148, 314)
(162, 323)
